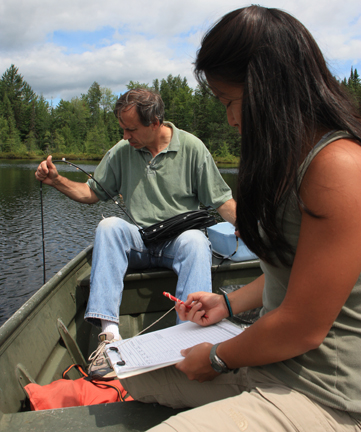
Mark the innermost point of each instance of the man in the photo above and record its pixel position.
(160, 171)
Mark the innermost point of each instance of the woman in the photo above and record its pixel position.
(298, 209)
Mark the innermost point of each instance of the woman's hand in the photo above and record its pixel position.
(207, 308)
(196, 364)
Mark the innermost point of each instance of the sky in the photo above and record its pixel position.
(62, 47)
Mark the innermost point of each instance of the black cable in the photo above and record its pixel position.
(42, 208)
(42, 229)
(164, 230)
(222, 258)
(96, 181)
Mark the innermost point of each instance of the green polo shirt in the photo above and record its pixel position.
(154, 189)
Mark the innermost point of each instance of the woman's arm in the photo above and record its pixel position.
(327, 264)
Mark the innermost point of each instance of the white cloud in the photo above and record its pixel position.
(56, 73)
(151, 39)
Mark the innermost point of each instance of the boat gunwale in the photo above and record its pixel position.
(9, 326)
(18, 318)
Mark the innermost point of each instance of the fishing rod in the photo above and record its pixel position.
(166, 229)
(188, 220)
(63, 160)
(42, 208)
(116, 202)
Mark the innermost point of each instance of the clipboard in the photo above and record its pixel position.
(155, 350)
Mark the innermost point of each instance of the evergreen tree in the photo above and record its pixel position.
(136, 84)
(31, 142)
(43, 120)
(178, 100)
(353, 87)
(156, 86)
(96, 141)
(59, 143)
(21, 98)
(10, 135)
(47, 143)
(4, 134)
(93, 98)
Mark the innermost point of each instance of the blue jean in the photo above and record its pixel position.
(118, 245)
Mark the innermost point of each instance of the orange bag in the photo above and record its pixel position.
(67, 393)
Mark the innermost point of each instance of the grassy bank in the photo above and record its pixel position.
(41, 156)
(232, 160)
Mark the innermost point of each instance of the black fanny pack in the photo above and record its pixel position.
(176, 225)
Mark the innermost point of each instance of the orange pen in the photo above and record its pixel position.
(179, 301)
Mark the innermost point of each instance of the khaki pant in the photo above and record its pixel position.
(247, 401)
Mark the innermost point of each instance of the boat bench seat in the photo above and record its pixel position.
(143, 289)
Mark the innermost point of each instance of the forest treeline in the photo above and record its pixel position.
(85, 126)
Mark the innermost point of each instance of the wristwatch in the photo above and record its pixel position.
(218, 364)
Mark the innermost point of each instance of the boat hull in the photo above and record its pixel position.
(48, 333)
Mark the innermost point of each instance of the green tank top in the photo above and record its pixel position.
(330, 374)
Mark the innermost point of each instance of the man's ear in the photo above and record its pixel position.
(155, 125)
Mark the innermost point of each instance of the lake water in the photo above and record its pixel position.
(68, 226)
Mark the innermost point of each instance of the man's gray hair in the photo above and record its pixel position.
(149, 105)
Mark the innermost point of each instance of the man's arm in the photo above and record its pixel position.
(228, 211)
(80, 192)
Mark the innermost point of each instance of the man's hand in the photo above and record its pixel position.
(80, 192)
(47, 172)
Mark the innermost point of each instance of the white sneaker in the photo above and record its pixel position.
(99, 367)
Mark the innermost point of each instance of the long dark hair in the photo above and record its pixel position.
(289, 96)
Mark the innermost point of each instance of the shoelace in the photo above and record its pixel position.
(100, 350)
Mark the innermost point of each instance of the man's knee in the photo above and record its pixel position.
(194, 239)
(113, 226)
(110, 223)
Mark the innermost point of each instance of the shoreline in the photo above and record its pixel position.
(232, 160)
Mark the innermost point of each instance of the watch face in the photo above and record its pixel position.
(217, 364)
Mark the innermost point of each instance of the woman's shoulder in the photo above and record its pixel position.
(333, 175)
(337, 158)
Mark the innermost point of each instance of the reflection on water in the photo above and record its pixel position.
(69, 227)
